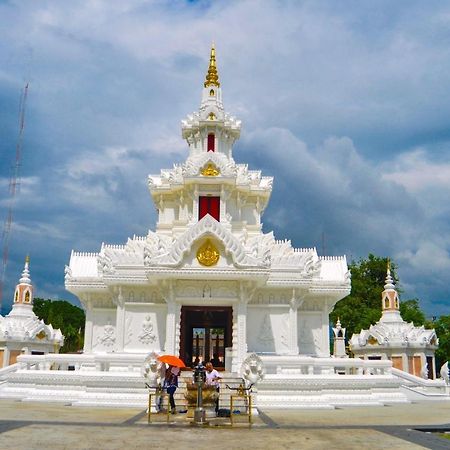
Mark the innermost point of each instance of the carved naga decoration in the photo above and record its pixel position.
(153, 370)
(252, 369)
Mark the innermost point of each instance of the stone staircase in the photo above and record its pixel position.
(92, 388)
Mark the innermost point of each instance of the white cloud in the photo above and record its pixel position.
(417, 172)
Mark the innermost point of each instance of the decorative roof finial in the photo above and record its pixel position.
(212, 77)
(26, 272)
(389, 281)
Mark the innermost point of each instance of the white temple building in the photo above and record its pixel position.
(208, 271)
(410, 348)
(21, 332)
(208, 283)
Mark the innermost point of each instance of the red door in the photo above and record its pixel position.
(209, 205)
(211, 143)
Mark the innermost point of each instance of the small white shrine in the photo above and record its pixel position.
(21, 332)
(410, 348)
(339, 341)
(208, 282)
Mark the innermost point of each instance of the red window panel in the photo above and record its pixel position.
(211, 143)
(202, 207)
(209, 205)
(214, 207)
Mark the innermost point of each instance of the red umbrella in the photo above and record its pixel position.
(171, 360)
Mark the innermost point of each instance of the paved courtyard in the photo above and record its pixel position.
(52, 426)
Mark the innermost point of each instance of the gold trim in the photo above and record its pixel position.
(207, 254)
(210, 170)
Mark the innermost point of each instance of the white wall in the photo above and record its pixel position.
(104, 333)
(268, 329)
(145, 327)
(310, 334)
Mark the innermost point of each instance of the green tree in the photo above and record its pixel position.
(362, 307)
(62, 314)
(411, 312)
(442, 327)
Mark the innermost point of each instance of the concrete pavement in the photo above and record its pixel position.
(52, 426)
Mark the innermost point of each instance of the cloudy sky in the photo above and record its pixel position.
(345, 103)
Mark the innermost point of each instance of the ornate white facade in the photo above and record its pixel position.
(208, 258)
(21, 332)
(410, 348)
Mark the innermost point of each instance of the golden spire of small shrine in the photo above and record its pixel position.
(212, 77)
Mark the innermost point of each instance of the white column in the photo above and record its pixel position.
(240, 329)
(6, 357)
(88, 327)
(294, 304)
(170, 344)
(325, 341)
(120, 321)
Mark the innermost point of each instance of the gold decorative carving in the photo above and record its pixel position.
(41, 335)
(210, 170)
(372, 341)
(212, 116)
(207, 254)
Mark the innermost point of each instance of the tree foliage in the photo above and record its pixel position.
(62, 314)
(442, 328)
(362, 307)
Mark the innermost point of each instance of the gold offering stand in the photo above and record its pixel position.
(242, 393)
(209, 396)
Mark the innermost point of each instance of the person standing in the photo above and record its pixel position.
(212, 379)
(171, 384)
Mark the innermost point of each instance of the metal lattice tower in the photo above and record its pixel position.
(14, 185)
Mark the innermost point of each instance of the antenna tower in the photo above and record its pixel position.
(14, 185)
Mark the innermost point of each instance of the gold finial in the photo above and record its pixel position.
(212, 77)
(389, 264)
(27, 259)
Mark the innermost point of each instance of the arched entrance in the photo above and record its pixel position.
(205, 333)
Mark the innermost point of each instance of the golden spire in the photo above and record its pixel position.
(389, 265)
(27, 259)
(212, 77)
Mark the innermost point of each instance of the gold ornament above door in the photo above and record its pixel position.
(207, 254)
(210, 170)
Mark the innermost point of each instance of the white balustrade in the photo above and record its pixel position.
(299, 365)
(65, 362)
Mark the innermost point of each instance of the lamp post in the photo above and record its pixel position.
(199, 380)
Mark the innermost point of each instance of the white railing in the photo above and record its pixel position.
(418, 381)
(98, 362)
(8, 369)
(304, 365)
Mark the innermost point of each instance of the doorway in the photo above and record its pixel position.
(205, 333)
